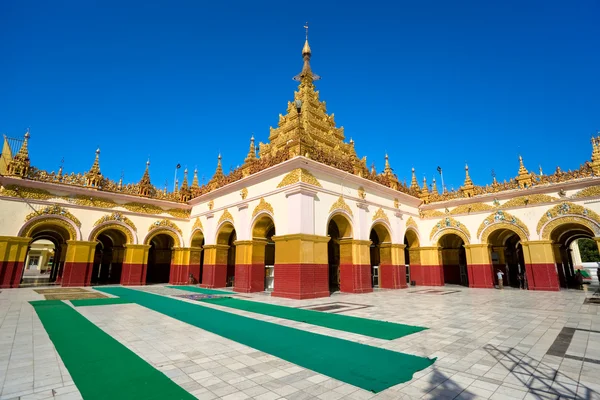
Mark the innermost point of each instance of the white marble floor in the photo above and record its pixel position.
(489, 343)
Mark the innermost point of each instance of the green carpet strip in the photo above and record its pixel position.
(347, 323)
(101, 367)
(197, 289)
(98, 302)
(367, 367)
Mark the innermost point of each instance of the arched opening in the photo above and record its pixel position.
(227, 237)
(264, 229)
(380, 255)
(159, 259)
(507, 256)
(108, 258)
(197, 257)
(411, 252)
(454, 259)
(565, 237)
(339, 227)
(45, 256)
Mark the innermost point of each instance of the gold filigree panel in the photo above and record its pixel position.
(197, 225)
(591, 191)
(340, 204)
(262, 206)
(410, 222)
(501, 220)
(225, 217)
(469, 208)
(381, 215)
(430, 213)
(523, 201)
(116, 216)
(571, 219)
(26, 192)
(164, 223)
(54, 210)
(244, 193)
(450, 223)
(565, 209)
(299, 175)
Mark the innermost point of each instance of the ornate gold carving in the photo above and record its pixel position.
(498, 220)
(523, 201)
(116, 216)
(565, 209)
(225, 217)
(50, 220)
(155, 210)
(361, 193)
(449, 223)
(244, 193)
(548, 228)
(588, 192)
(396, 203)
(381, 215)
(431, 213)
(111, 225)
(25, 192)
(197, 225)
(469, 208)
(299, 175)
(410, 222)
(211, 204)
(164, 223)
(262, 206)
(340, 204)
(54, 210)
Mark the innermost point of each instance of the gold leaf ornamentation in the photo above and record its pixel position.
(91, 201)
(54, 210)
(381, 215)
(562, 210)
(523, 201)
(340, 204)
(164, 223)
(244, 193)
(299, 175)
(588, 192)
(262, 206)
(550, 226)
(225, 217)
(361, 193)
(50, 220)
(410, 222)
(396, 203)
(197, 225)
(450, 223)
(502, 220)
(431, 214)
(211, 204)
(26, 192)
(469, 208)
(116, 216)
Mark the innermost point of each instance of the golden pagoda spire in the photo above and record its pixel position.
(185, 194)
(195, 184)
(596, 155)
(424, 195)
(251, 151)
(184, 184)
(524, 178)
(145, 186)
(19, 164)
(413, 183)
(387, 170)
(468, 188)
(214, 182)
(434, 189)
(93, 178)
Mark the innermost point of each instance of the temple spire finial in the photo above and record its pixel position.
(19, 164)
(413, 182)
(524, 178)
(195, 184)
(145, 186)
(93, 178)
(251, 151)
(306, 76)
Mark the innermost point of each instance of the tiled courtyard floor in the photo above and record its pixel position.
(493, 344)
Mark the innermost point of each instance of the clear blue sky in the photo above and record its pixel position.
(430, 82)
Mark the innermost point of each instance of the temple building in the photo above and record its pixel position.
(302, 217)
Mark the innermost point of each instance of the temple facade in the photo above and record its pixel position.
(301, 218)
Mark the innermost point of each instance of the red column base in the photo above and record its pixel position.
(301, 281)
(481, 276)
(214, 276)
(355, 278)
(427, 275)
(179, 274)
(77, 274)
(392, 276)
(249, 278)
(542, 277)
(133, 274)
(10, 274)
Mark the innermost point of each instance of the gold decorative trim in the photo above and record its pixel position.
(155, 210)
(381, 215)
(164, 223)
(340, 204)
(244, 193)
(262, 206)
(211, 204)
(28, 229)
(469, 208)
(410, 222)
(115, 226)
(523, 201)
(54, 210)
(26, 192)
(499, 220)
(152, 233)
(566, 209)
(299, 175)
(225, 217)
(396, 203)
(197, 225)
(588, 192)
(116, 216)
(430, 213)
(450, 223)
(548, 228)
(361, 192)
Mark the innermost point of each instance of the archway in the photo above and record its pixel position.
(507, 256)
(262, 233)
(379, 256)
(197, 255)
(339, 227)
(453, 259)
(159, 258)
(108, 257)
(45, 257)
(411, 254)
(227, 237)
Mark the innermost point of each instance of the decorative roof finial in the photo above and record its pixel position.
(434, 189)
(524, 178)
(306, 76)
(145, 186)
(413, 183)
(195, 184)
(93, 178)
(251, 151)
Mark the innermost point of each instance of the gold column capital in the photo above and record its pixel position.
(301, 236)
(15, 239)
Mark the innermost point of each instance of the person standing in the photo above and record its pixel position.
(500, 275)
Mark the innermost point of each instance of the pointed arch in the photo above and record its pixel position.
(47, 222)
(502, 220)
(116, 225)
(176, 236)
(344, 222)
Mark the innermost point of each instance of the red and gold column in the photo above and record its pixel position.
(214, 272)
(250, 265)
(79, 263)
(135, 264)
(355, 266)
(430, 271)
(392, 268)
(185, 262)
(540, 265)
(414, 263)
(479, 266)
(12, 259)
(301, 266)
